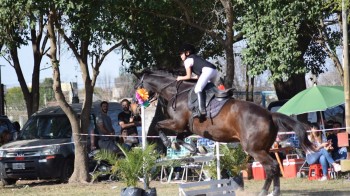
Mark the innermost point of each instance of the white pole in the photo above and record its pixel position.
(143, 128)
(218, 171)
(346, 64)
(323, 127)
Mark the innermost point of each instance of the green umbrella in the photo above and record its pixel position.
(313, 99)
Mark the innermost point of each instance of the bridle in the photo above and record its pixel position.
(173, 105)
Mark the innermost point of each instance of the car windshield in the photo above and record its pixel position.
(47, 127)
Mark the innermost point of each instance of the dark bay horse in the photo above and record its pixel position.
(253, 126)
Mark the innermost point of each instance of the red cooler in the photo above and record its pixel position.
(258, 171)
(292, 165)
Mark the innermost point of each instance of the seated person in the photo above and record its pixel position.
(128, 124)
(104, 124)
(3, 126)
(129, 139)
(316, 135)
(337, 152)
(5, 137)
(319, 154)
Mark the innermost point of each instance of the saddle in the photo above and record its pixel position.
(214, 100)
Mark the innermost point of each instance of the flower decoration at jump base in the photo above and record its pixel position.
(142, 97)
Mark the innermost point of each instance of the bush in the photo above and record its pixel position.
(233, 161)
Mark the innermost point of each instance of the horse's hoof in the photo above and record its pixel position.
(276, 191)
(202, 150)
(165, 140)
(274, 194)
(263, 193)
(175, 146)
(189, 147)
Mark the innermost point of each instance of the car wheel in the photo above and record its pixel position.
(8, 181)
(67, 171)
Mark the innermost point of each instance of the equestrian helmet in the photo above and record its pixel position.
(187, 48)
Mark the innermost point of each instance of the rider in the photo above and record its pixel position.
(204, 70)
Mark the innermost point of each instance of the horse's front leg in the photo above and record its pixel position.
(180, 139)
(167, 124)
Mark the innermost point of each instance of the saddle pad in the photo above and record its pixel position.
(214, 107)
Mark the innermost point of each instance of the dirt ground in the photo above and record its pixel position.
(295, 186)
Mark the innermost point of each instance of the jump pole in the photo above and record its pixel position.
(218, 171)
(143, 129)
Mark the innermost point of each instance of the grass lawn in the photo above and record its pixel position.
(295, 186)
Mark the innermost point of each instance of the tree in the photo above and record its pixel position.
(46, 92)
(147, 47)
(282, 37)
(208, 25)
(22, 23)
(14, 99)
(86, 27)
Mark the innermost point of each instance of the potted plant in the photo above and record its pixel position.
(233, 161)
(136, 164)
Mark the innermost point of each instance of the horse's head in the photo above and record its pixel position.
(143, 82)
(161, 82)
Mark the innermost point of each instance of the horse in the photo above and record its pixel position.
(253, 126)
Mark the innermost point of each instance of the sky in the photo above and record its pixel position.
(70, 70)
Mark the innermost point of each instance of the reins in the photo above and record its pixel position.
(173, 105)
(177, 93)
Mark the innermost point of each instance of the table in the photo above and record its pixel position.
(276, 151)
(185, 163)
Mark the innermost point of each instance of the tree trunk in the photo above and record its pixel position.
(230, 67)
(25, 90)
(286, 90)
(228, 44)
(80, 173)
(31, 97)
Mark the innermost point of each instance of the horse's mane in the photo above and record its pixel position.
(166, 73)
(159, 72)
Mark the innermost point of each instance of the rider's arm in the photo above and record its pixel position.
(127, 125)
(187, 76)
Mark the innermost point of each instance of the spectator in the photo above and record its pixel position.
(319, 154)
(337, 153)
(315, 136)
(3, 126)
(5, 137)
(105, 128)
(17, 127)
(128, 123)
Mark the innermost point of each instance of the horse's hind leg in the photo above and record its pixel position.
(272, 172)
(165, 139)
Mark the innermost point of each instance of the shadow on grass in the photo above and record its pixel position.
(318, 193)
(30, 183)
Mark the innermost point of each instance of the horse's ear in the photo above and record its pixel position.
(138, 74)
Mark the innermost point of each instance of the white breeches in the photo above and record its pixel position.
(208, 75)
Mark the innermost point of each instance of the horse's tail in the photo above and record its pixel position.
(285, 123)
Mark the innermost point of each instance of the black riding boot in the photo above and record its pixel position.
(201, 104)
